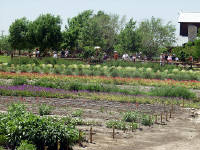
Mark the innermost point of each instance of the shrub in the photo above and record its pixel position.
(117, 124)
(171, 91)
(26, 146)
(19, 81)
(38, 130)
(131, 116)
(45, 109)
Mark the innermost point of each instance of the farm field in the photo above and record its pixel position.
(93, 112)
(179, 132)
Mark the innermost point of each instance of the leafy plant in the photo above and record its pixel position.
(45, 109)
(19, 81)
(77, 113)
(26, 146)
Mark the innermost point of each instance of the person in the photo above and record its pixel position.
(37, 52)
(55, 55)
(115, 55)
(125, 57)
(176, 59)
(169, 59)
(134, 58)
(62, 53)
(66, 53)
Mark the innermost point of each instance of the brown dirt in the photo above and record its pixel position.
(181, 132)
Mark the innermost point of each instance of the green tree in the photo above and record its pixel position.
(73, 30)
(128, 40)
(5, 44)
(45, 33)
(155, 35)
(18, 34)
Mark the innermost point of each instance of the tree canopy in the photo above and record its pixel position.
(155, 35)
(87, 30)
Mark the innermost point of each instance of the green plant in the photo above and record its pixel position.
(19, 81)
(77, 113)
(116, 124)
(3, 140)
(45, 109)
(1, 148)
(172, 91)
(131, 116)
(26, 146)
(38, 130)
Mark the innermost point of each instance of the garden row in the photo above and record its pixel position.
(23, 130)
(99, 70)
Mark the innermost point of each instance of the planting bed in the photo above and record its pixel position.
(179, 132)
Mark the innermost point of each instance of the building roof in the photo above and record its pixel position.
(189, 17)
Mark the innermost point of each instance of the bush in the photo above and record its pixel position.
(45, 109)
(131, 116)
(171, 91)
(26, 146)
(38, 130)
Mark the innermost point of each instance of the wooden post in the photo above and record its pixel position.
(170, 114)
(90, 134)
(58, 145)
(156, 120)
(166, 116)
(161, 117)
(149, 120)
(79, 137)
(113, 135)
(183, 103)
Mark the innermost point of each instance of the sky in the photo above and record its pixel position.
(139, 10)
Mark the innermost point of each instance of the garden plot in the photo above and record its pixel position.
(179, 132)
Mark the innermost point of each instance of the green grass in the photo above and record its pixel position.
(171, 91)
(5, 59)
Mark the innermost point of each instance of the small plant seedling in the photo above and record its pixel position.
(77, 113)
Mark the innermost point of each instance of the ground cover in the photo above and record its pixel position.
(105, 80)
(98, 70)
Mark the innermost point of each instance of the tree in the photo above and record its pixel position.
(73, 30)
(155, 35)
(18, 34)
(5, 44)
(45, 33)
(90, 30)
(128, 40)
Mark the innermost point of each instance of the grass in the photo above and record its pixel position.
(5, 59)
(171, 91)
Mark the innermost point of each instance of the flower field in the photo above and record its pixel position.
(136, 95)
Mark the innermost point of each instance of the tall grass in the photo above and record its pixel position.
(172, 91)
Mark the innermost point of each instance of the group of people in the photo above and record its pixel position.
(169, 59)
(63, 54)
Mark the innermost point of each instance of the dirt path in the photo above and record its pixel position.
(180, 133)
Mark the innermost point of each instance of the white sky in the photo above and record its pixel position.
(137, 9)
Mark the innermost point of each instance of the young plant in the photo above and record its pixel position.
(45, 109)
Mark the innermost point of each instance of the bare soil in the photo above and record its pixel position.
(181, 132)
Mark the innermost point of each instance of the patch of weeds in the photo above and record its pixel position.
(77, 113)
